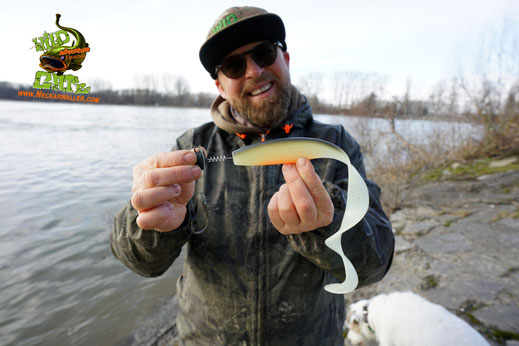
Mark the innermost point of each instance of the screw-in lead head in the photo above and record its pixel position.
(200, 157)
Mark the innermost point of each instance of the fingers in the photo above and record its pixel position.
(302, 198)
(166, 176)
(302, 204)
(167, 159)
(313, 183)
(148, 198)
(162, 208)
(162, 186)
(273, 211)
(165, 217)
(287, 209)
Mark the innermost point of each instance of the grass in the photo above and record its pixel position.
(503, 335)
(460, 213)
(407, 164)
(506, 189)
(509, 271)
(468, 170)
(499, 335)
(506, 214)
(473, 320)
(428, 282)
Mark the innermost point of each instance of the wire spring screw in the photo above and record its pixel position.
(217, 158)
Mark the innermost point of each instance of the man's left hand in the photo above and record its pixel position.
(302, 204)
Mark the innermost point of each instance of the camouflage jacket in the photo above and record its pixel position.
(244, 283)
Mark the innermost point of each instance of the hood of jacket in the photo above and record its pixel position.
(221, 114)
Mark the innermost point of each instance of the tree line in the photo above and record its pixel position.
(174, 91)
(354, 93)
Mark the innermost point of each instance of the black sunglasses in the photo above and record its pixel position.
(263, 54)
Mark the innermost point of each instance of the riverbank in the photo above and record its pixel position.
(457, 244)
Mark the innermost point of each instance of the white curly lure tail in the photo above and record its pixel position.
(288, 150)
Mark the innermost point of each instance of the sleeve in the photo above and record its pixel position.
(369, 245)
(148, 252)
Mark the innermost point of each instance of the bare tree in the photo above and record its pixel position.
(310, 84)
(149, 82)
(488, 77)
(437, 98)
(352, 89)
(168, 83)
(345, 85)
(452, 99)
(99, 84)
(407, 97)
(177, 89)
(181, 86)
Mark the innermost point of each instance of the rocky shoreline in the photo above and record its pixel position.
(457, 245)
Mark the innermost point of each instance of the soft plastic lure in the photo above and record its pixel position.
(288, 150)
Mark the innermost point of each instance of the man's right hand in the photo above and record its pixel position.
(162, 186)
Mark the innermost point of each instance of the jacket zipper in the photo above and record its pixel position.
(261, 254)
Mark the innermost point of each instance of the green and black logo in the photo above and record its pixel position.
(58, 57)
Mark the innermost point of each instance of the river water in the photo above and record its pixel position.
(65, 171)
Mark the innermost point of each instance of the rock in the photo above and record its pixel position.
(420, 228)
(412, 214)
(398, 216)
(466, 258)
(502, 163)
(512, 343)
(484, 177)
(510, 239)
(447, 268)
(511, 223)
(448, 242)
(424, 212)
(401, 244)
(455, 165)
(453, 294)
(397, 226)
(503, 317)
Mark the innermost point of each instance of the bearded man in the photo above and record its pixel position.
(255, 275)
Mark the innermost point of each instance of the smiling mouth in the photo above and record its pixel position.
(261, 90)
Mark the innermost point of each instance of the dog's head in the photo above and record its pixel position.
(357, 323)
(357, 313)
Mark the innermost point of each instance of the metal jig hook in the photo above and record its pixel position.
(200, 162)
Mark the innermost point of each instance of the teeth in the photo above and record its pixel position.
(259, 91)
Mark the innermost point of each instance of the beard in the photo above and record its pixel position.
(270, 111)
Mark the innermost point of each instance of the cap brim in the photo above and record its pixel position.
(263, 27)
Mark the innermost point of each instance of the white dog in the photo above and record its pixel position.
(406, 319)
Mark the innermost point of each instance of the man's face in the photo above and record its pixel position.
(262, 94)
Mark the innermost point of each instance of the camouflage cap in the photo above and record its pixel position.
(236, 27)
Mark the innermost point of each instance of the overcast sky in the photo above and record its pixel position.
(397, 38)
